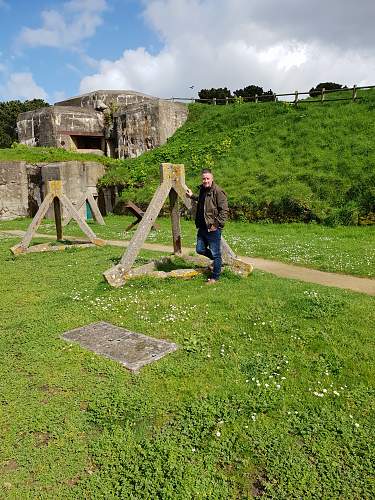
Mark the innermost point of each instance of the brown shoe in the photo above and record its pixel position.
(211, 281)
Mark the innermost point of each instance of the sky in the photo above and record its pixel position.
(57, 49)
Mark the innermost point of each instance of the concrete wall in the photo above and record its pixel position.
(172, 115)
(23, 186)
(77, 177)
(36, 128)
(55, 125)
(120, 124)
(14, 194)
(141, 127)
(107, 97)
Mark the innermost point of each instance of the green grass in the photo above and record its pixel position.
(342, 249)
(276, 161)
(271, 390)
(21, 152)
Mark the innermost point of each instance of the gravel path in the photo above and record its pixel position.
(290, 271)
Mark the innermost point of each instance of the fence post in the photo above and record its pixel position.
(226, 101)
(214, 100)
(172, 99)
(256, 98)
(274, 97)
(354, 92)
(322, 95)
(295, 97)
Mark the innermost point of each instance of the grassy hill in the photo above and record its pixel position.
(276, 161)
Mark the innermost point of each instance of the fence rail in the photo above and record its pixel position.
(274, 97)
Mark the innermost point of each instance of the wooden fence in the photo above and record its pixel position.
(321, 94)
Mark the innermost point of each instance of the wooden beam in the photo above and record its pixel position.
(68, 205)
(175, 219)
(145, 225)
(58, 218)
(21, 247)
(95, 209)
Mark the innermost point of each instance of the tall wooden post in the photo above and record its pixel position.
(175, 218)
(354, 95)
(58, 218)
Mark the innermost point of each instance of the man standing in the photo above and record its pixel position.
(212, 212)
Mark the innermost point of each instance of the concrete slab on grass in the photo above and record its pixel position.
(133, 350)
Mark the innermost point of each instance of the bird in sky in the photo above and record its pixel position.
(191, 87)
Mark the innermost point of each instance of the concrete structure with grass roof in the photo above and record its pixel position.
(115, 123)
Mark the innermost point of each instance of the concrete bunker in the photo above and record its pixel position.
(115, 123)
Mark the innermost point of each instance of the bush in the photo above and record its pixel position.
(314, 92)
(220, 94)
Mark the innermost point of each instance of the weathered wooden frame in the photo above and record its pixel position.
(172, 185)
(56, 197)
(87, 197)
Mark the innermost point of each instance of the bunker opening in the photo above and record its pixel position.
(87, 142)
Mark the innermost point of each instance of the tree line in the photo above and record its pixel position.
(9, 111)
(222, 94)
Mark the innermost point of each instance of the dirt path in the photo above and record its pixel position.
(362, 285)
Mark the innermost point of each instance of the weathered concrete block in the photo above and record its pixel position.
(132, 350)
(14, 193)
(144, 126)
(77, 178)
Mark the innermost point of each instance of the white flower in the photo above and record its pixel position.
(278, 386)
(356, 425)
(218, 434)
(324, 390)
(266, 385)
(193, 449)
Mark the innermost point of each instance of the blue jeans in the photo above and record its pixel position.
(209, 245)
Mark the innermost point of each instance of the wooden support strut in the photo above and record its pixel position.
(175, 219)
(87, 197)
(172, 183)
(56, 197)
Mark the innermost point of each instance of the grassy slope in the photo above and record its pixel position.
(205, 422)
(20, 152)
(274, 160)
(340, 249)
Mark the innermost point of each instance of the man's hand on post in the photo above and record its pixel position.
(189, 193)
(212, 228)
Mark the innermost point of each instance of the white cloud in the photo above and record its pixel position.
(211, 43)
(76, 21)
(22, 86)
(4, 5)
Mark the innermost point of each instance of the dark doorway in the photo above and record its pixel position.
(87, 142)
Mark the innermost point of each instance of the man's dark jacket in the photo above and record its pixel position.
(215, 208)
